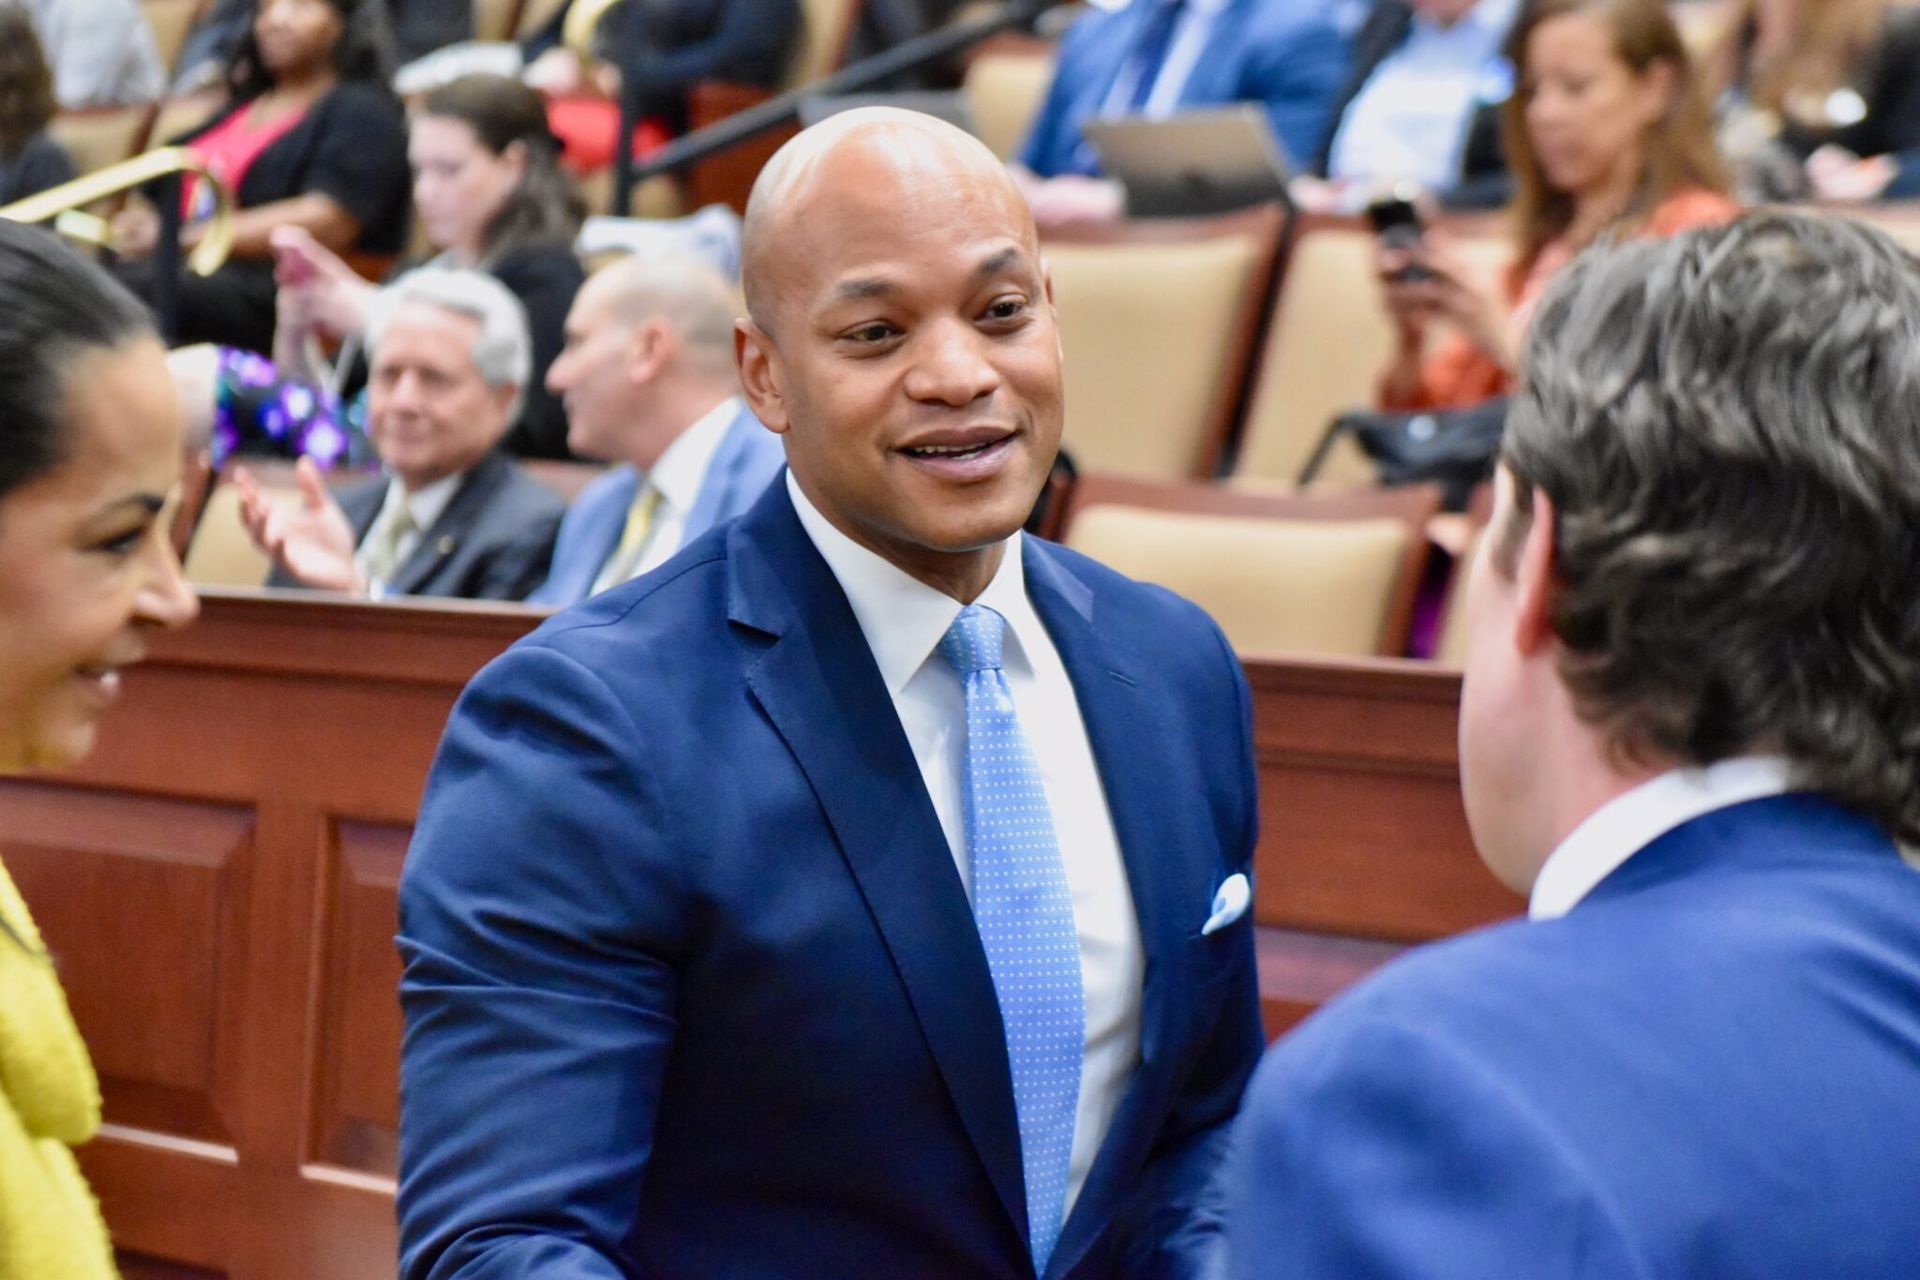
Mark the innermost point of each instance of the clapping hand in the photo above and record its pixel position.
(308, 538)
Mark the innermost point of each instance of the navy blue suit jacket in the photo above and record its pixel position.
(1709, 1068)
(1288, 55)
(748, 458)
(692, 987)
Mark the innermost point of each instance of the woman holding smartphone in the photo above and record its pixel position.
(90, 451)
(1606, 134)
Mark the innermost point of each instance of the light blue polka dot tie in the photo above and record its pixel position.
(1024, 911)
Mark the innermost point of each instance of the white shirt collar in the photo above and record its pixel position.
(1634, 819)
(902, 617)
(425, 504)
(680, 471)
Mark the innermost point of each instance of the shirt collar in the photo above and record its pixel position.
(1634, 819)
(682, 469)
(902, 617)
(427, 503)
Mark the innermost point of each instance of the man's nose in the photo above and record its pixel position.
(952, 366)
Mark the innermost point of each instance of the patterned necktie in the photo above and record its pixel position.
(627, 555)
(381, 555)
(1150, 52)
(1024, 911)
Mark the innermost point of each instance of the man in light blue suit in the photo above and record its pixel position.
(1159, 57)
(648, 382)
(862, 893)
(1690, 731)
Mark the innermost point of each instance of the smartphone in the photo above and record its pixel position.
(1395, 218)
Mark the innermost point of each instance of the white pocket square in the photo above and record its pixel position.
(1229, 903)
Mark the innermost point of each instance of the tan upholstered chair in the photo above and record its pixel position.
(1004, 91)
(95, 137)
(826, 26)
(171, 20)
(493, 19)
(1326, 574)
(533, 15)
(177, 115)
(1157, 319)
(1329, 339)
(221, 554)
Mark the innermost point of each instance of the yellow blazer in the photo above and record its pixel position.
(50, 1228)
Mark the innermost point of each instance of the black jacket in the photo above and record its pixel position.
(492, 542)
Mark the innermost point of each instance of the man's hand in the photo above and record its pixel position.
(309, 538)
(1838, 176)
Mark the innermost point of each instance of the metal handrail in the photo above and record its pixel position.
(64, 204)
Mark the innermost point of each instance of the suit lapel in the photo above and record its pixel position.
(456, 519)
(1119, 702)
(819, 686)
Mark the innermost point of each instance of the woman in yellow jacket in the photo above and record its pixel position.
(90, 448)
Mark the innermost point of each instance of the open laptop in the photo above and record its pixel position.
(1212, 160)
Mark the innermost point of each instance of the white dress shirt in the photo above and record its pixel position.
(425, 505)
(1410, 118)
(1191, 32)
(678, 476)
(1634, 819)
(903, 620)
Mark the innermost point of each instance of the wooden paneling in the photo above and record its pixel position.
(1364, 845)
(219, 884)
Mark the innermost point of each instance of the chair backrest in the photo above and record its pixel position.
(171, 20)
(1004, 92)
(533, 15)
(95, 137)
(826, 26)
(1281, 573)
(1328, 342)
(220, 553)
(493, 19)
(177, 115)
(1158, 321)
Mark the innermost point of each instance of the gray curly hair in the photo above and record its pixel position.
(1727, 424)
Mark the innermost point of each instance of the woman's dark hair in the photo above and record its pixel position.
(544, 209)
(54, 305)
(26, 85)
(363, 54)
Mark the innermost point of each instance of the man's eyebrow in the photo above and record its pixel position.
(866, 287)
(861, 289)
(994, 264)
(152, 503)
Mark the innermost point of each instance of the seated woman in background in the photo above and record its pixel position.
(1607, 134)
(1821, 98)
(30, 160)
(490, 196)
(313, 138)
(90, 447)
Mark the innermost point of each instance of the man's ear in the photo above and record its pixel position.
(650, 347)
(760, 379)
(1533, 580)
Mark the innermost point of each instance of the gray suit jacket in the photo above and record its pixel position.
(492, 542)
